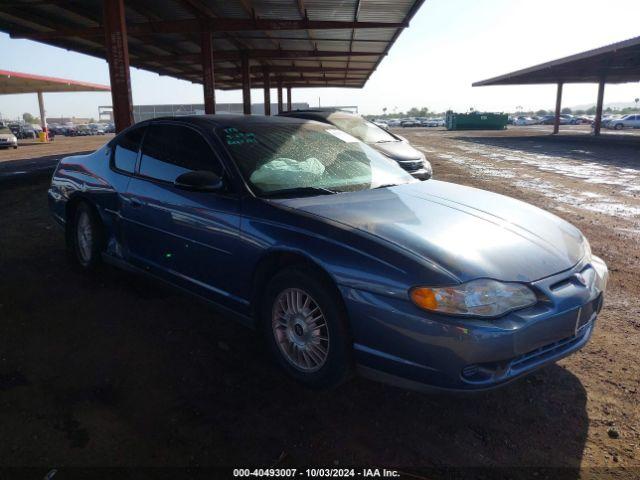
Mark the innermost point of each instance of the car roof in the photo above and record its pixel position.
(321, 114)
(230, 120)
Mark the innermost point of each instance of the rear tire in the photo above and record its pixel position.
(84, 239)
(305, 327)
(618, 126)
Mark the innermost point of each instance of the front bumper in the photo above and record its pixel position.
(399, 343)
(419, 168)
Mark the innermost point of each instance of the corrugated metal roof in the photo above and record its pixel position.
(615, 63)
(164, 53)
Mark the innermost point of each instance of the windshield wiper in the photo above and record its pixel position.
(299, 191)
(386, 186)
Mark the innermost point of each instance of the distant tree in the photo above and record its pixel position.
(384, 110)
(28, 118)
(566, 111)
(580, 112)
(591, 111)
(542, 112)
(418, 112)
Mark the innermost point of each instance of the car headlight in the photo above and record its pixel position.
(481, 298)
(426, 163)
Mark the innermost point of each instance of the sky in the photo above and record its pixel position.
(449, 45)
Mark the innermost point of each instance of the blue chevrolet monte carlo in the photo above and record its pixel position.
(338, 256)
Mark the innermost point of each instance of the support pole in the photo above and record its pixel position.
(597, 124)
(288, 99)
(556, 121)
(279, 95)
(246, 85)
(208, 80)
(116, 42)
(43, 120)
(266, 79)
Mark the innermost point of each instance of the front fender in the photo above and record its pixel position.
(351, 259)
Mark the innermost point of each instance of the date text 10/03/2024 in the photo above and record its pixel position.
(316, 473)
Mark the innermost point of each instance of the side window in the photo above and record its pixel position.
(171, 150)
(126, 150)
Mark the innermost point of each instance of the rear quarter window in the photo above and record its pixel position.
(125, 152)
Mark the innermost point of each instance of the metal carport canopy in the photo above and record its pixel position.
(615, 63)
(17, 82)
(223, 44)
(309, 43)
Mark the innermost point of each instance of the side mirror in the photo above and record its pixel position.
(199, 181)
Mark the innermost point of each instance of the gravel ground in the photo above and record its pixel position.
(117, 371)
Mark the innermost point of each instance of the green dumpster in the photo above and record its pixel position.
(476, 121)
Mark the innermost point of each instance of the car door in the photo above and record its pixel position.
(185, 236)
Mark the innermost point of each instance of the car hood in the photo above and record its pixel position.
(471, 233)
(6, 136)
(399, 150)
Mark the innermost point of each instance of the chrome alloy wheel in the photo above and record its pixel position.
(84, 237)
(300, 330)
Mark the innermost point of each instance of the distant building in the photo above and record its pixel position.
(146, 112)
(74, 120)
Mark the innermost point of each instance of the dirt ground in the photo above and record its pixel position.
(61, 145)
(117, 371)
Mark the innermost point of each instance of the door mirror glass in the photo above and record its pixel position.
(199, 181)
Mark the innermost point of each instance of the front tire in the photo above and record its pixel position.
(84, 239)
(618, 126)
(305, 327)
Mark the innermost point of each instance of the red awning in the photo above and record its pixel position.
(17, 82)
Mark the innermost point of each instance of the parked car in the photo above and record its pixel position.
(110, 128)
(385, 142)
(96, 129)
(81, 131)
(582, 120)
(432, 122)
(337, 255)
(409, 122)
(628, 121)
(7, 138)
(57, 129)
(565, 119)
(393, 122)
(522, 120)
(22, 131)
(70, 131)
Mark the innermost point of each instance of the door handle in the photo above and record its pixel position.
(136, 203)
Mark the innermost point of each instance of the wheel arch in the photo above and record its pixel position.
(70, 210)
(276, 260)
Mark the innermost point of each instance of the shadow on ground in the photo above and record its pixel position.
(609, 150)
(116, 370)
